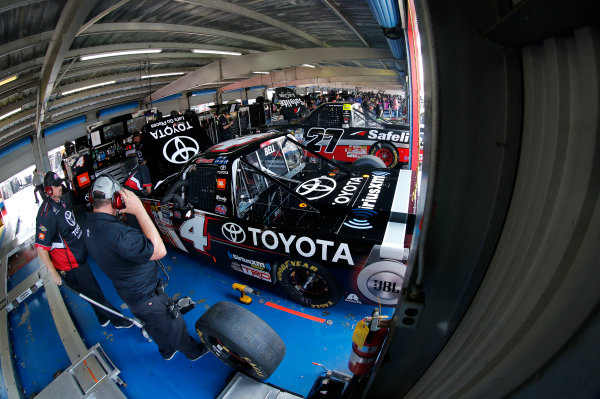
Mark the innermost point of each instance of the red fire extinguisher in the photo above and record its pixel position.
(367, 341)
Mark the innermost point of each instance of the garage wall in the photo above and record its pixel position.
(57, 137)
(16, 157)
(232, 95)
(118, 110)
(253, 93)
(167, 106)
(203, 99)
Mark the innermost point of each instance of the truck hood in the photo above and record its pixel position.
(362, 205)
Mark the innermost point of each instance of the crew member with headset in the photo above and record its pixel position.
(128, 257)
(60, 247)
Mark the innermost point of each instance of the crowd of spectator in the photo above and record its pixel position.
(383, 105)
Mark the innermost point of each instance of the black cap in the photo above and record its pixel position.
(137, 133)
(52, 179)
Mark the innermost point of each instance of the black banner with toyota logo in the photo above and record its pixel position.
(170, 142)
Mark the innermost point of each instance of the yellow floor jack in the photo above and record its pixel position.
(244, 289)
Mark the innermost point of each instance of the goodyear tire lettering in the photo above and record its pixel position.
(308, 284)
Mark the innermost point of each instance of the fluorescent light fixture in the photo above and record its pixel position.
(8, 80)
(6, 115)
(117, 53)
(88, 87)
(158, 75)
(308, 65)
(261, 73)
(199, 51)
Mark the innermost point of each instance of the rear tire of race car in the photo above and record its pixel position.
(308, 283)
(241, 339)
(369, 161)
(387, 153)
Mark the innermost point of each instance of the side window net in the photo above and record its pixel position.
(330, 117)
(201, 192)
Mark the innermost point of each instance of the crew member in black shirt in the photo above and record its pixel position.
(139, 147)
(60, 247)
(128, 257)
(225, 127)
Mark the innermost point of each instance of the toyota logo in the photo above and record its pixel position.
(233, 232)
(180, 149)
(70, 218)
(316, 188)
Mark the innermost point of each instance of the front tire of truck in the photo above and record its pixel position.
(387, 153)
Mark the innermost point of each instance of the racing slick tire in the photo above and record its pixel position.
(308, 283)
(370, 161)
(387, 153)
(241, 339)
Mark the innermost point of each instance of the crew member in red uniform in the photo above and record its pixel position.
(139, 180)
(60, 247)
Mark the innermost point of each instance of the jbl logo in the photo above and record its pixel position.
(385, 286)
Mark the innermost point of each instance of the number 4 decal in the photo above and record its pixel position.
(194, 230)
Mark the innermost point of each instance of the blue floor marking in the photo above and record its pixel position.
(142, 367)
(36, 346)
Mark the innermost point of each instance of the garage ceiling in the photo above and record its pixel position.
(42, 42)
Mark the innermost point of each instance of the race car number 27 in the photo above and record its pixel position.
(318, 138)
(194, 231)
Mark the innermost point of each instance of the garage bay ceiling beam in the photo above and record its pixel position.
(138, 27)
(247, 13)
(92, 95)
(102, 64)
(26, 42)
(300, 73)
(45, 37)
(74, 13)
(103, 103)
(17, 86)
(8, 5)
(148, 45)
(137, 76)
(156, 65)
(22, 127)
(32, 66)
(14, 127)
(240, 66)
(351, 81)
(101, 15)
(345, 20)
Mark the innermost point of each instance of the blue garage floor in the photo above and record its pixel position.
(38, 352)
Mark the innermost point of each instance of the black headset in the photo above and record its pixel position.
(47, 187)
(117, 200)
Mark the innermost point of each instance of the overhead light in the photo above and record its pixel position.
(8, 80)
(117, 53)
(6, 115)
(88, 87)
(261, 73)
(308, 65)
(199, 51)
(158, 75)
